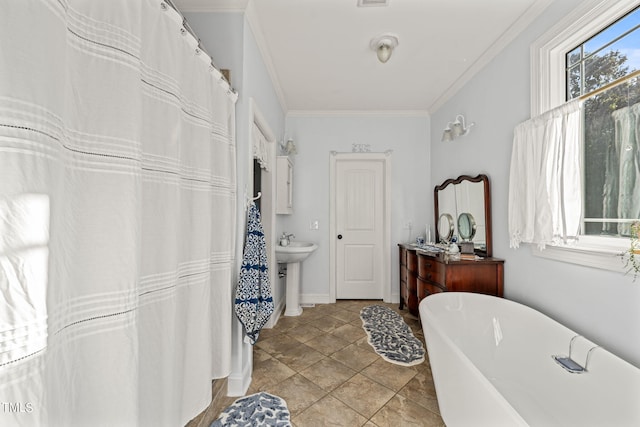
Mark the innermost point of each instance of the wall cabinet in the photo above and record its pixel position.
(424, 273)
(284, 185)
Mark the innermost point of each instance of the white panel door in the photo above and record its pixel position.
(359, 229)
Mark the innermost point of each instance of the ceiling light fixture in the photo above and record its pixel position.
(456, 128)
(384, 45)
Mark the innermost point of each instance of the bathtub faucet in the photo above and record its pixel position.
(571, 365)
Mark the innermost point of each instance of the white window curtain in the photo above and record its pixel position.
(622, 180)
(545, 192)
(117, 216)
(260, 147)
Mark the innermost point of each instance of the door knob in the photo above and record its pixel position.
(339, 236)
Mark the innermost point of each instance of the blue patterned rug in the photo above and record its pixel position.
(391, 337)
(260, 409)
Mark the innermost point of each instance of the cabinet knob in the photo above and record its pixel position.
(339, 236)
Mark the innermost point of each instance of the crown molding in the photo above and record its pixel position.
(488, 55)
(358, 113)
(258, 35)
(209, 6)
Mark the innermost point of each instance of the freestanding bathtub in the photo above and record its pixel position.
(492, 366)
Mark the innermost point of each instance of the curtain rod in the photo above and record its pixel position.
(187, 27)
(609, 86)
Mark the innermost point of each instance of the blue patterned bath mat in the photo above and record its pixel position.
(391, 337)
(260, 409)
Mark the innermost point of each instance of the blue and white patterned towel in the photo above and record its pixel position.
(254, 301)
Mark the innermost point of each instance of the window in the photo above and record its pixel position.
(603, 69)
(594, 53)
(604, 58)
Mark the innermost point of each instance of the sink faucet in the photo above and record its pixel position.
(285, 239)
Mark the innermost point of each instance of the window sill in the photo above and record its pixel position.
(597, 252)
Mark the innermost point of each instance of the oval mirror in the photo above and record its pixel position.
(445, 227)
(466, 226)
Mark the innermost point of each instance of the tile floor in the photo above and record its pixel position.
(321, 364)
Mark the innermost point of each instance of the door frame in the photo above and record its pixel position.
(385, 159)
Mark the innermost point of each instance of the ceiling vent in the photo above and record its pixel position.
(366, 3)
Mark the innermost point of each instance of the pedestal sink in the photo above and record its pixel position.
(293, 255)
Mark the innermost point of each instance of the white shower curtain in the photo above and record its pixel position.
(117, 215)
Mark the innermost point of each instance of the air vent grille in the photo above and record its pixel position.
(367, 3)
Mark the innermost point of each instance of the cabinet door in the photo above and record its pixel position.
(284, 185)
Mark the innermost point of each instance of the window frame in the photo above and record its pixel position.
(548, 90)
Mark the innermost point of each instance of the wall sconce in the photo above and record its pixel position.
(456, 129)
(384, 45)
(288, 147)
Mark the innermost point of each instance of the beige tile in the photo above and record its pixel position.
(327, 344)
(299, 393)
(311, 314)
(304, 332)
(278, 344)
(421, 390)
(268, 332)
(299, 357)
(329, 411)
(357, 305)
(347, 316)
(349, 332)
(355, 356)
(389, 374)
(269, 372)
(328, 373)
(320, 360)
(363, 395)
(259, 354)
(403, 412)
(287, 322)
(328, 323)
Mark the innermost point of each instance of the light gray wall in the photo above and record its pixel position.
(601, 305)
(316, 137)
(222, 36)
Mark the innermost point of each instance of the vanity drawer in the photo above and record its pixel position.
(430, 269)
(427, 288)
(412, 261)
(403, 256)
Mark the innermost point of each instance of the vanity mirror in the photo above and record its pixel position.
(468, 200)
(466, 227)
(446, 229)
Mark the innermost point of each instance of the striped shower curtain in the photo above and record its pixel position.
(117, 215)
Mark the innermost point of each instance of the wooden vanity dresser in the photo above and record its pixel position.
(462, 208)
(423, 273)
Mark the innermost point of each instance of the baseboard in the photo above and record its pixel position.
(326, 299)
(277, 312)
(315, 299)
(237, 385)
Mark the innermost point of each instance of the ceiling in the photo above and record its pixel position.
(318, 54)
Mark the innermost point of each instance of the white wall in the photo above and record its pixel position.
(411, 192)
(601, 305)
